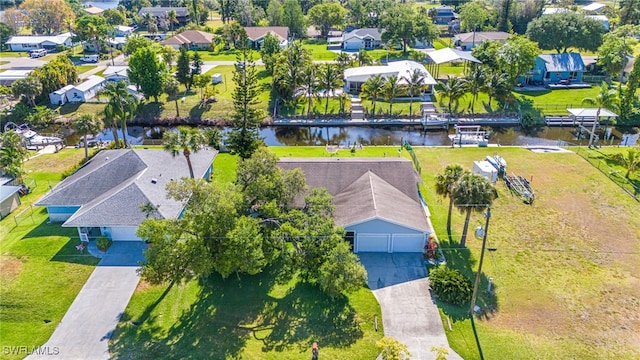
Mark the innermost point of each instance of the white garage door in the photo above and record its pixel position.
(372, 243)
(408, 243)
(124, 234)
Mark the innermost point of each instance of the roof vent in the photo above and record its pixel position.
(154, 180)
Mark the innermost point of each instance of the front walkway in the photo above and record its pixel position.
(409, 313)
(86, 328)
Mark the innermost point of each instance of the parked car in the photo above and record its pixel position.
(90, 58)
(36, 53)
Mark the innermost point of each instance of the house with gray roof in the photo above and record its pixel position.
(104, 197)
(366, 38)
(558, 68)
(376, 200)
(160, 13)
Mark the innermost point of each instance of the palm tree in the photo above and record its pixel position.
(186, 139)
(474, 84)
(121, 103)
(496, 86)
(172, 17)
(110, 120)
(445, 183)
(309, 84)
(606, 98)
(364, 58)
(391, 91)
(453, 90)
(372, 89)
(12, 153)
(150, 21)
(171, 88)
(631, 162)
(414, 86)
(330, 77)
(344, 60)
(472, 193)
(86, 124)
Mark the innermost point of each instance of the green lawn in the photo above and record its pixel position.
(13, 54)
(41, 272)
(319, 50)
(224, 55)
(564, 266)
(250, 317)
(85, 68)
(557, 101)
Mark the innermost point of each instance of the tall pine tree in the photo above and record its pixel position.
(244, 138)
(183, 71)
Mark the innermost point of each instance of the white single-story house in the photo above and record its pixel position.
(86, 90)
(8, 77)
(26, 43)
(366, 38)
(117, 42)
(602, 19)
(467, 41)
(256, 35)
(124, 31)
(553, 10)
(59, 97)
(116, 73)
(355, 77)
(594, 7)
(376, 200)
(103, 198)
(9, 199)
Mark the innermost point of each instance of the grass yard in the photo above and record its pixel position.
(250, 317)
(319, 50)
(224, 55)
(4, 54)
(557, 101)
(85, 68)
(565, 269)
(41, 272)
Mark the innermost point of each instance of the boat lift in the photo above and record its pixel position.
(469, 135)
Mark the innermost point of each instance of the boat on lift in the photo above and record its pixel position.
(30, 137)
(469, 135)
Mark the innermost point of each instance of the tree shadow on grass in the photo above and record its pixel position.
(69, 254)
(69, 108)
(197, 111)
(151, 110)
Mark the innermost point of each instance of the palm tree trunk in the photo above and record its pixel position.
(326, 105)
(449, 217)
(124, 132)
(411, 106)
(463, 239)
(86, 148)
(114, 130)
(188, 157)
(177, 110)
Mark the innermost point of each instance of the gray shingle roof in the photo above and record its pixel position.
(160, 11)
(362, 33)
(371, 197)
(563, 62)
(365, 188)
(111, 187)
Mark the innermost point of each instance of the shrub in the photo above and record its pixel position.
(103, 243)
(450, 285)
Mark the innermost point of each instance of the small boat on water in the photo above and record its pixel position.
(469, 135)
(32, 138)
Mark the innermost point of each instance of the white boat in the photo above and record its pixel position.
(32, 138)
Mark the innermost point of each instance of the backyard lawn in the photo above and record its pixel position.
(319, 50)
(41, 272)
(565, 269)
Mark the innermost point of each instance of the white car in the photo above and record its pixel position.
(90, 58)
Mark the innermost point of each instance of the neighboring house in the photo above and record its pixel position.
(593, 8)
(59, 97)
(26, 43)
(9, 199)
(554, 68)
(124, 31)
(93, 10)
(9, 76)
(602, 19)
(552, 10)
(116, 73)
(367, 38)
(443, 15)
(355, 77)
(103, 198)
(86, 90)
(376, 200)
(117, 42)
(190, 40)
(467, 41)
(160, 13)
(625, 72)
(256, 34)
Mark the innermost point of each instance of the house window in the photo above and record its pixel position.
(547, 75)
(573, 75)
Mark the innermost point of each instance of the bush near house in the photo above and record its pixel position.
(449, 285)
(103, 243)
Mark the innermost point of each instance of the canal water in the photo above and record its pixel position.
(319, 136)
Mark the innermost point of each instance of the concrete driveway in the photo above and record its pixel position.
(409, 313)
(86, 328)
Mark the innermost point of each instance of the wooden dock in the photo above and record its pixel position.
(568, 121)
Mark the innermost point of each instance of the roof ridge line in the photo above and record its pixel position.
(373, 193)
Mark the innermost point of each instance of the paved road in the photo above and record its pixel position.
(86, 328)
(409, 313)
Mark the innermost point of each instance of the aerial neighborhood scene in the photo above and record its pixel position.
(319, 179)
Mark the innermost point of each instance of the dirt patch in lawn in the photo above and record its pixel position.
(10, 268)
(143, 286)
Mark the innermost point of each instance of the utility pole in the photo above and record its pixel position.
(477, 282)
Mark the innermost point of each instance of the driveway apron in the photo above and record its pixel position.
(86, 328)
(409, 313)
